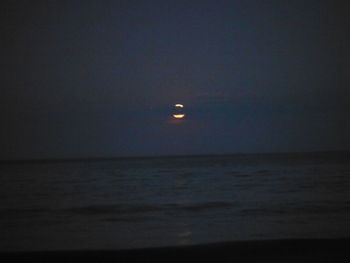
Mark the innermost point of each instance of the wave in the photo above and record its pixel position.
(23, 211)
(144, 208)
(297, 210)
(119, 209)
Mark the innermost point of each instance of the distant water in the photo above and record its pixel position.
(133, 203)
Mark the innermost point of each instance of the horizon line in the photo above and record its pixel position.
(101, 158)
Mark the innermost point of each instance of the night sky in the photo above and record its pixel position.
(100, 78)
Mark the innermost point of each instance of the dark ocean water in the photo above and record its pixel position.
(154, 202)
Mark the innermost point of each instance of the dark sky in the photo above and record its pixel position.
(100, 78)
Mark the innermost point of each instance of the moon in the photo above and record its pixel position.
(178, 116)
(179, 109)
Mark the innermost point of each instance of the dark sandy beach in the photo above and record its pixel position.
(292, 250)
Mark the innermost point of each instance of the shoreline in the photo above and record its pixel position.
(285, 250)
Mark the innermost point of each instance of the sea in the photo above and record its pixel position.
(131, 203)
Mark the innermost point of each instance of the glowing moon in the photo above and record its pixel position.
(179, 111)
(178, 116)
